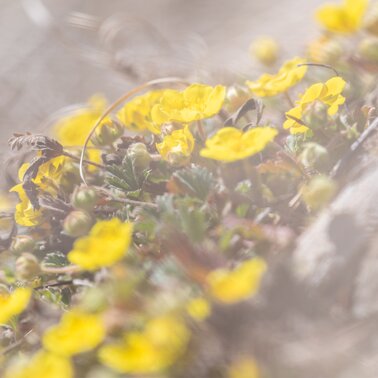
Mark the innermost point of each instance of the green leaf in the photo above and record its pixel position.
(196, 181)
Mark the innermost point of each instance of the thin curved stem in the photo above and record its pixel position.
(320, 65)
(114, 105)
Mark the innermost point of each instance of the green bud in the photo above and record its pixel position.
(318, 192)
(27, 267)
(314, 155)
(77, 223)
(368, 49)
(107, 133)
(84, 198)
(139, 155)
(22, 243)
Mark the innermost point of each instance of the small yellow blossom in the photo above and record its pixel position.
(179, 144)
(13, 304)
(243, 368)
(238, 284)
(42, 365)
(136, 114)
(196, 102)
(230, 144)
(265, 49)
(149, 351)
(51, 171)
(73, 129)
(198, 308)
(288, 76)
(329, 94)
(106, 244)
(76, 333)
(345, 18)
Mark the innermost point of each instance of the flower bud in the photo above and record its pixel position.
(318, 192)
(139, 155)
(27, 267)
(325, 50)
(368, 49)
(107, 133)
(265, 50)
(23, 243)
(77, 223)
(84, 198)
(315, 156)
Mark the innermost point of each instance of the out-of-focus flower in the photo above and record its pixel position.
(231, 144)
(231, 286)
(177, 146)
(73, 129)
(265, 49)
(288, 76)
(106, 244)
(136, 114)
(196, 102)
(149, 351)
(329, 94)
(198, 308)
(48, 172)
(243, 368)
(13, 304)
(42, 365)
(345, 18)
(76, 333)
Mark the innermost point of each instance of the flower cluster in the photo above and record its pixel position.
(150, 237)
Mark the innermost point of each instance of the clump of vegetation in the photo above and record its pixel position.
(147, 234)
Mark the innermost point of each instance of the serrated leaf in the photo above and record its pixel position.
(196, 181)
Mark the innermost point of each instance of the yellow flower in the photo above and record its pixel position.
(196, 102)
(328, 94)
(73, 129)
(230, 144)
(243, 368)
(13, 304)
(345, 18)
(149, 351)
(178, 145)
(136, 114)
(106, 244)
(42, 365)
(271, 85)
(51, 171)
(76, 333)
(265, 49)
(238, 284)
(198, 308)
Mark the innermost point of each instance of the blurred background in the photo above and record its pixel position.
(56, 53)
